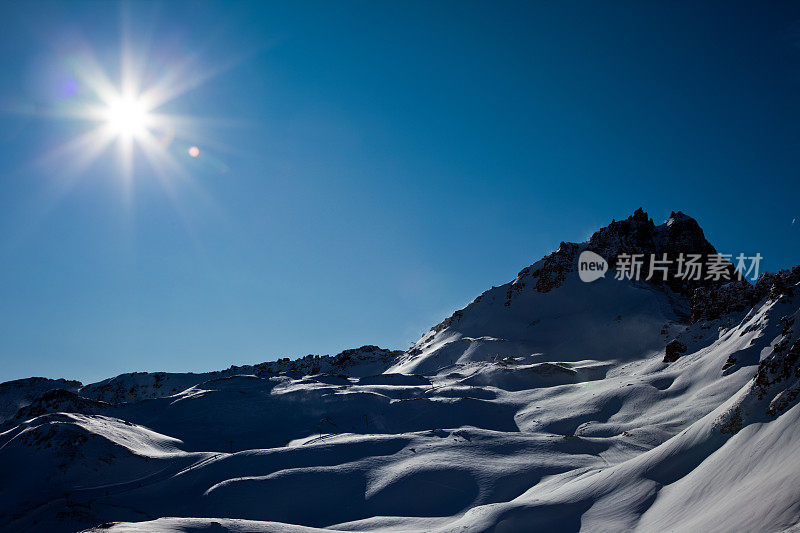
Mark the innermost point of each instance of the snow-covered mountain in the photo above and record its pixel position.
(547, 404)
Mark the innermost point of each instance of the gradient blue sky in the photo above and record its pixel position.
(368, 167)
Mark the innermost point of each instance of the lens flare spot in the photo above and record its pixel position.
(194, 151)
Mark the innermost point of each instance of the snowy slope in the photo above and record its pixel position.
(546, 404)
(21, 392)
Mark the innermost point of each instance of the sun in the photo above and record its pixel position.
(127, 117)
(131, 117)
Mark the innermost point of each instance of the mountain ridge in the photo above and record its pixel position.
(637, 234)
(616, 405)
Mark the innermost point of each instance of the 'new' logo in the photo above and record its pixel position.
(591, 266)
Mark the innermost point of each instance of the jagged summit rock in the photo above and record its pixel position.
(637, 234)
(680, 234)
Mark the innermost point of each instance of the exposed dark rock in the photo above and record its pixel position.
(782, 365)
(636, 235)
(314, 364)
(729, 364)
(709, 303)
(778, 375)
(680, 234)
(452, 319)
(779, 284)
(675, 349)
(730, 422)
(547, 274)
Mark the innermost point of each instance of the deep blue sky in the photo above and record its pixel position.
(372, 166)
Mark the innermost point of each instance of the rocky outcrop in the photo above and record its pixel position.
(452, 319)
(674, 350)
(783, 368)
(776, 386)
(341, 363)
(709, 299)
(709, 303)
(779, 284)
(638, 235)
(778, 376)
(548, 273)
(679, 235)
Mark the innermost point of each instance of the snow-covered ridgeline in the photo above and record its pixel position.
(546, 403)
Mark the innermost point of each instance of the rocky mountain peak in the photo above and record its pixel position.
(639, 235)
(680, 236)
(635, 235)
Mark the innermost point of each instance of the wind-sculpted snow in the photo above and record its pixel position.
(545, 410)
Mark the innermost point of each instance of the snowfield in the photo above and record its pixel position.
(544, 405)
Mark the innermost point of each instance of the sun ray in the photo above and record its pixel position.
(74, 157)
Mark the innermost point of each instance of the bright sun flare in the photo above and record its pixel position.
(127, 116)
